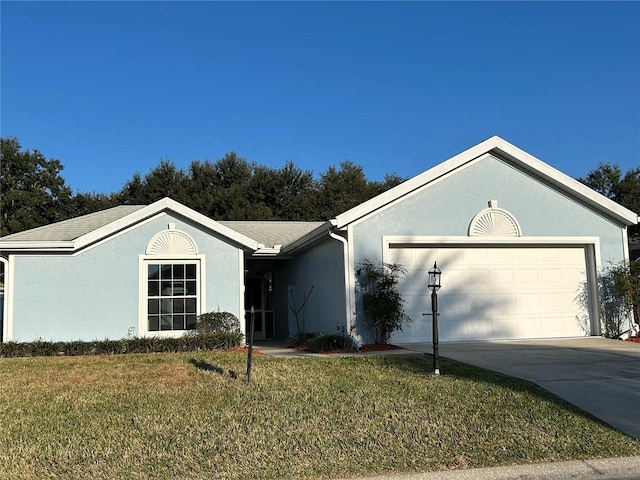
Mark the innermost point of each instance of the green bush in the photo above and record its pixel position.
(301, 340)
(320, 342)
(328, 343)
(187, 343)
(217, 322)
(381, 301)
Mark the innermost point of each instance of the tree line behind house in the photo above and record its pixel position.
(34, 193)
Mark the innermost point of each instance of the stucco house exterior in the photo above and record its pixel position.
(517, 242)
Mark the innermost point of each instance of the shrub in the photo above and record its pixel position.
(381, 300)
(301, 339)
(217, 322)
(187, 343)
(328, 343)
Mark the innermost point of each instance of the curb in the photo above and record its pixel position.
(623, 468)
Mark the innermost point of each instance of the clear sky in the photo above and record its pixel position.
(111, 88)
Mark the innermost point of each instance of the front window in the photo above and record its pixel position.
(172, 296)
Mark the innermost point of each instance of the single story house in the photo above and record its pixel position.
(519, 243)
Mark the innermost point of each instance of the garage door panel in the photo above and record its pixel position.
(495, 292)
(527, 277)
(502, 278)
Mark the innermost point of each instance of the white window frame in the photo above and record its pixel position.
(145, 261)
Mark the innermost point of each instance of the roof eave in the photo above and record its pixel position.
(159, 207)
(41, 246)
(308, 239)
(565, 183)
(502, 148)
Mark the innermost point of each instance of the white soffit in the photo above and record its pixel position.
(501, 148)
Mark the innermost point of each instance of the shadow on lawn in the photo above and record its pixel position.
(208, 367)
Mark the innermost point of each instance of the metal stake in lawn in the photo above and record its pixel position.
(250, 351)
(434, 286)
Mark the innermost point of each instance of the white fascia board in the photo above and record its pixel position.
(309, 238)
(67, 246)
(414, 183)
(512, 153)
(157, 207)
(565, 182)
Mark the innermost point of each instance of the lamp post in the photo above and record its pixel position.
(434, 286)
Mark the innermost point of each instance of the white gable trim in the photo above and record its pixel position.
(499, 147)
(129, 221)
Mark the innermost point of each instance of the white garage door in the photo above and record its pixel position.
(494, 292)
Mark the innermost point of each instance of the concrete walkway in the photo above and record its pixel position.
(598, 375)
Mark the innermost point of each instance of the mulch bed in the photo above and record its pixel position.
(633, 339)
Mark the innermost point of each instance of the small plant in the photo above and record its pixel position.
(217, 322)
(298, 311)
(381, 300)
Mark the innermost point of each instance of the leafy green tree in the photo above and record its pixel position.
(165, 180)
(232, 177)
(83, 203)
(341, 188)
(608, 180)
(286, 193)
(32, 192)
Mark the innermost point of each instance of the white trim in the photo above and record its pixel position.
(591, 252)
(521, 159)
(625, 244)
(486, 219)
(129, 221)
(242, 314)
(479, 240)
(8, 300)
(171, 242)
(6, 293)
(143, 261)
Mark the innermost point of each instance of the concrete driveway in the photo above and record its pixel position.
(599, 375)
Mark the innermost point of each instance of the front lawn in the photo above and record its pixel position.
(192, 416)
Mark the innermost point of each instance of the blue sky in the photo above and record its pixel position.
(111, 88)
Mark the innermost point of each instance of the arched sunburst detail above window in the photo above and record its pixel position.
(172, 242)
(494, 221)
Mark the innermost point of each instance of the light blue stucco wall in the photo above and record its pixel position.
(447, 207)
(95, 293)
(320, 267)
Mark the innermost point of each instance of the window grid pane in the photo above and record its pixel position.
(172, 301)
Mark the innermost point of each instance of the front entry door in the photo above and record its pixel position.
(258, 293)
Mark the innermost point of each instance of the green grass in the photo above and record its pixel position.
(192, 416)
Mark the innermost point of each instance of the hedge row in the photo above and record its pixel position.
(187, 343)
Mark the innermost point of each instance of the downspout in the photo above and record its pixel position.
(351, 327)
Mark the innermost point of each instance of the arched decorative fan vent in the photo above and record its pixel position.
(494, 221)
(172, 242)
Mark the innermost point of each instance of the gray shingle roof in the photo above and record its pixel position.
(268, 233)
(271, 233)
(69, 230)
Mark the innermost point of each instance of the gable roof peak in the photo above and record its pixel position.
(500, 148)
